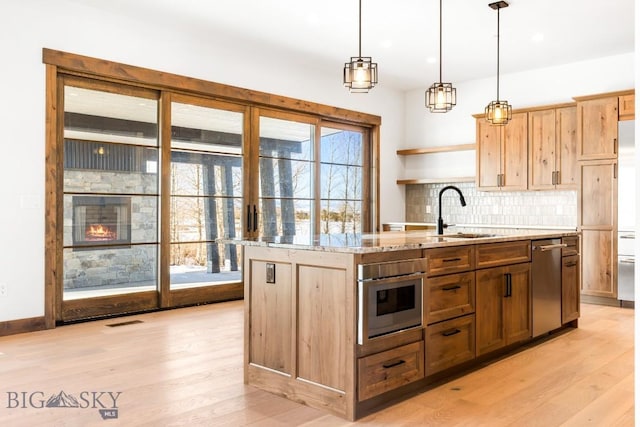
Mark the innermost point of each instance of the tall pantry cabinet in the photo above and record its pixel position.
(597, 131)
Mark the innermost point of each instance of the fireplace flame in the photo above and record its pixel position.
(99, 232)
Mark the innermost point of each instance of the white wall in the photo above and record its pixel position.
(68, 25)
(526, 89)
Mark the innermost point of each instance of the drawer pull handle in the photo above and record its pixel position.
(571, 264)
(451, 288)
(451, 332)
(391, 365)
(451, 259)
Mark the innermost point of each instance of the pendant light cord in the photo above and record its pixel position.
(360, 29)
(498, 65)
(440, 41)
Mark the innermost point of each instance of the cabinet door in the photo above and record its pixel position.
(599, 265)
(598, 195)
(322, 322)
(514, 153)
(626, 107)
(488, 139)
(566, 148)
(491, 288)
(542, 149)
(517, 311)
(270, 317)
(570, 289)
(598, 128)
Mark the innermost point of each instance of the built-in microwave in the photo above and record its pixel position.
(389, 297)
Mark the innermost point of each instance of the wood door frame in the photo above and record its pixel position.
(59, 63)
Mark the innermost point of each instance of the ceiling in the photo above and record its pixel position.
(401, 35)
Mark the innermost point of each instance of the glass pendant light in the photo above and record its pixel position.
(498, 112)
(360, 73)
(440, 97)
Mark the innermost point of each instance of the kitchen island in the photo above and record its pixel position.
(349, 323)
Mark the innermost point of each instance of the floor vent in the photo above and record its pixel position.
(130, 322)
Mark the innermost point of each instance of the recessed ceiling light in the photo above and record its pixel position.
(386, 44)
(432, 60)
(537, 37)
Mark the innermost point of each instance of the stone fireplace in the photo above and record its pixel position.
(101, 221)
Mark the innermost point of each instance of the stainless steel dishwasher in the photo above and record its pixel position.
(546, 285)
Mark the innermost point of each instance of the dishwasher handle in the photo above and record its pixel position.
(544, 248)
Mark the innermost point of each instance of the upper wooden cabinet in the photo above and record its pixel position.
(502, 154)
(626, 107)
(598, 128)
(552, 149)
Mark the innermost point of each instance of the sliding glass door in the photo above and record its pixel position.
(152, 180)
(312, 179)
(110, 157)
(206, 190)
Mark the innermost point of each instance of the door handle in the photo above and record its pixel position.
(391, 365)
(255, 218)
(506, 285)
(451, 288)
(248, 218)
(544, 248)
(451, 332)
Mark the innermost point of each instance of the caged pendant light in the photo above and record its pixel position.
(440, 97)
(360, 74)
(498, 112)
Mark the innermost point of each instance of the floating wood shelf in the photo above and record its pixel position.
(436, 180)
(429, 150)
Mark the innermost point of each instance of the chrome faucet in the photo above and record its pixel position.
(441, 224)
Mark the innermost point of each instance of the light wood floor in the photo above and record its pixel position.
(184, 367)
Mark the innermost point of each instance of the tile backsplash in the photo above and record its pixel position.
(525, 208)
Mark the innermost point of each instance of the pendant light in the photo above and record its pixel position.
(360, 74)
(498, 112)
(440, 97)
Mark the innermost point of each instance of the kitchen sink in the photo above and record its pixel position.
(468, 235)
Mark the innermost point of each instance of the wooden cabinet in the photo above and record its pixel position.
(626, 107)
(449, 260)
(449, 304)
(501, 159)
(449, 296)
(552, 149)
(388, 370)
(300, 323)
(597, 220)
(271, 317)
(450, 343)
(597, 123)
(570, 288)
(503, 307)
(496, 254)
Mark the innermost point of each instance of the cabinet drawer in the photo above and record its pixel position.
(449, 296)
(449, 260)
(495, 254)
(450, 343)
(572, 245)
(390, 369)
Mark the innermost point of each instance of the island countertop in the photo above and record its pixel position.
(402, 240)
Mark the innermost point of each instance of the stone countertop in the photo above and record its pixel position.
(401, 240)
